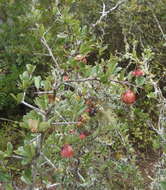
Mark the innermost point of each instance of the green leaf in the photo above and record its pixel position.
(4, 177)
(9, 148)
(37, 81)
(9, 187)
(30, 68)
(42, 102)
(140, 81)
(112, 63)
(44, 126)
(104, 78)
(20, 97)
(62, 35)
(24, 76)
(27, 177)
(29, 150)
(152, 95)
(163, 185)
(14, 96)
(2, 155)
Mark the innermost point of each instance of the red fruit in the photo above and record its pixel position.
(128, 97)
(67, 151)
(87, 110)
(137, 73)
(82, 136)
(72, 132)
(65, 78)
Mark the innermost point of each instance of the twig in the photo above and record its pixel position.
(35, 139)
(49, 161)
(105, 13)
(80, 176)
(82, 80)
(44, 92)
(4, 119)
(158, 24)
(43, 40)
(123, 83)
(65, 123)
(53, 185)
(60, 115)
(33, 107)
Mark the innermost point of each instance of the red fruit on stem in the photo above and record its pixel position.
(128, 97)
(137, 73)
(67, 151)
(82, 136)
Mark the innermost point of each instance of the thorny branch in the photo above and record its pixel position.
(123, 83)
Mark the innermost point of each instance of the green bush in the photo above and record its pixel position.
(70, 68)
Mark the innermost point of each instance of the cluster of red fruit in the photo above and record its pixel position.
(137, 73)
(67, 150)
(129, 97)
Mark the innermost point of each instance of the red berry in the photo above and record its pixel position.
(67, 151)
(72, 131)
(137, 73)
(82, 136)
(87, 110)
(65, 78)
(128, 97)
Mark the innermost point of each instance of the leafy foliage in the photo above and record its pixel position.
(69, 65)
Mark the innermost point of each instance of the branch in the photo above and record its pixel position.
(158, 24)
(33, 107)
(49, 161)
(105, 13)
(65, 123)
(82, 80)
(43, 40)
(123, 83)
(4, 119)
(53, 185)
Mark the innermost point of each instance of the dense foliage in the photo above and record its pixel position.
(82, 94)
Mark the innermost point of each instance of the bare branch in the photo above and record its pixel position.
(158, 24)
(4, 119)
(49, 161)
(53, 185)
(105, 13)
(33, 107)
(82, 80)
(43, 40)
(44, 92)
(65, 123)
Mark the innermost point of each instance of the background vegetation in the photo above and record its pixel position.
(64, 66)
